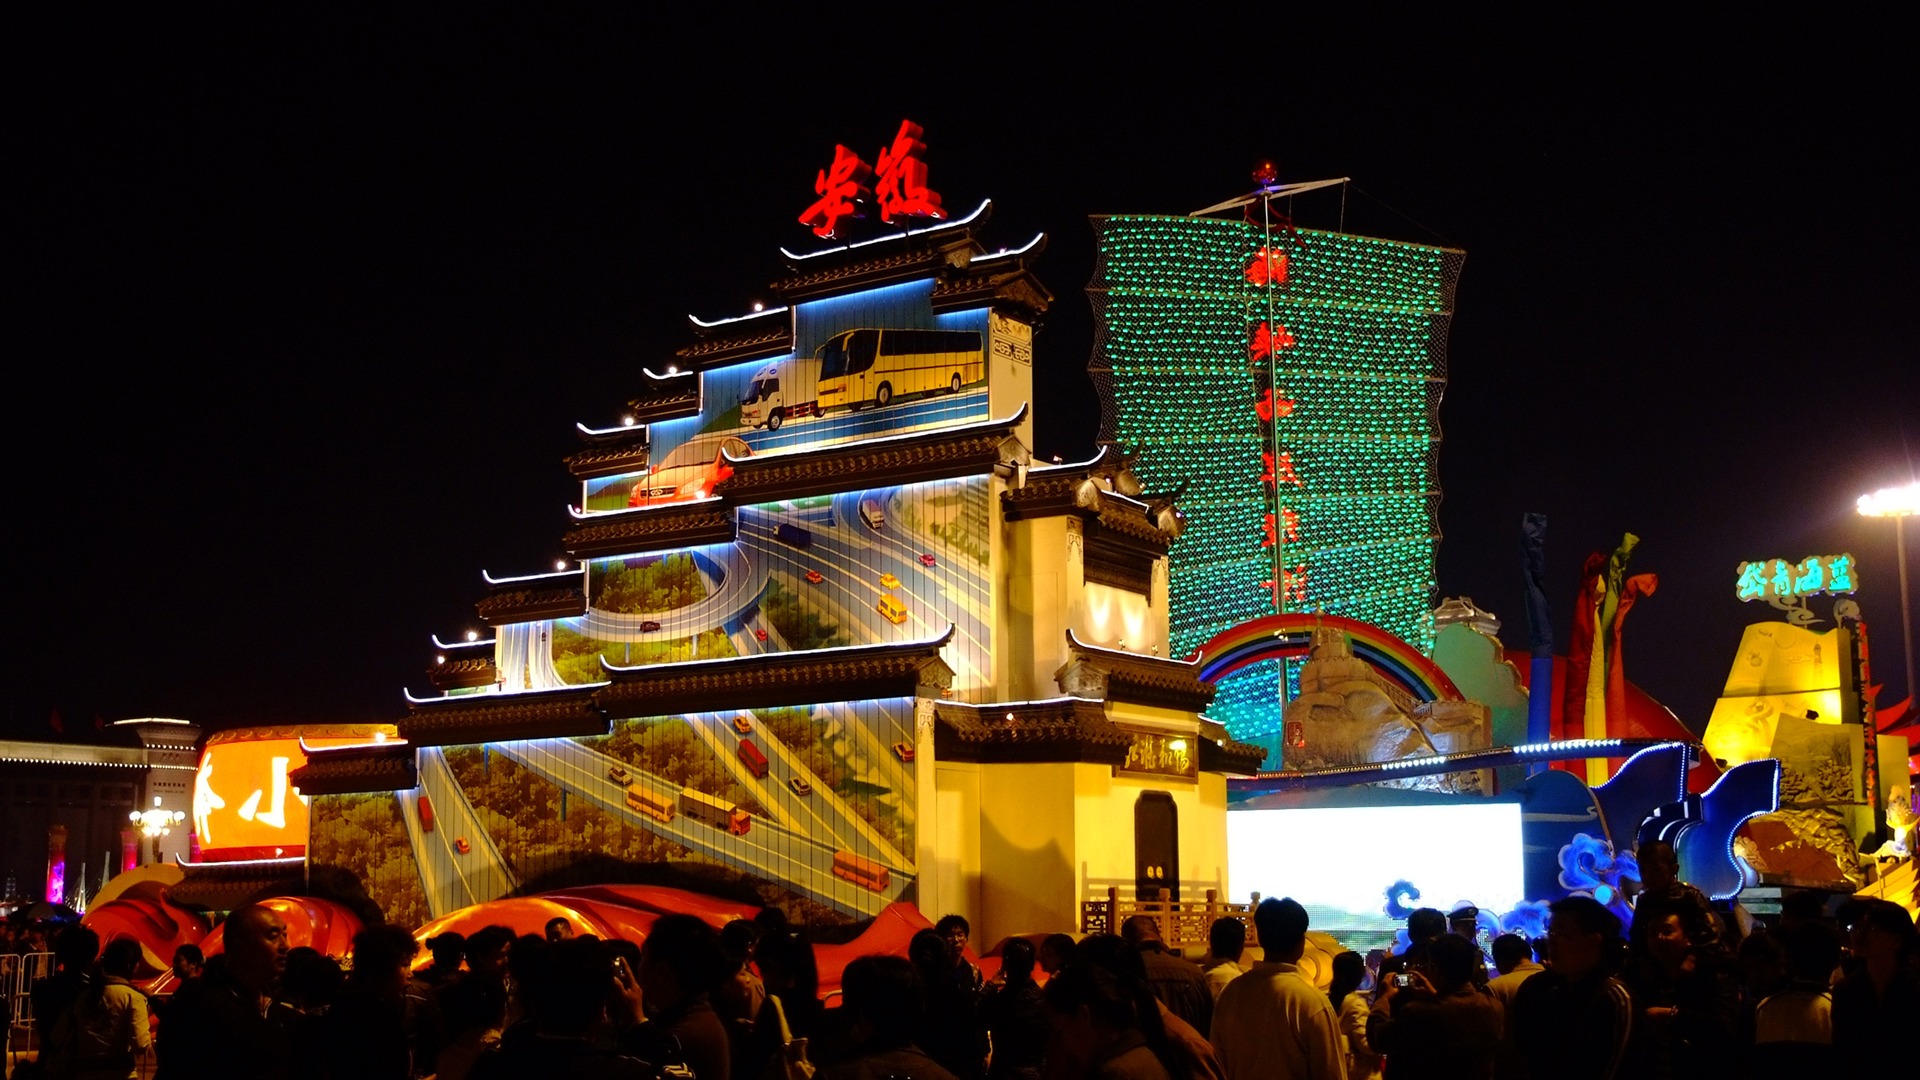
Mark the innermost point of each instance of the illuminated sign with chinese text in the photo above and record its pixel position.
(1778, 579)
(899, 185)
(1153, 754)
(243, 805)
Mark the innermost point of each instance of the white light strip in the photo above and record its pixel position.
(676, 373)
(491, 580)
(1053, 466)
(444, 698)
(295, 860)
(601, 515)
(698, 321)
(792, 654)
(584, 429)
(154, 720)
(312, 750)
(1009, 252)
(955, 223)
(1064, 699)
(861, 444)
(459, 644)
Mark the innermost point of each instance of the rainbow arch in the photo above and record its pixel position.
(1278, 637)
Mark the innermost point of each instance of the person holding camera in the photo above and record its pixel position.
(1436, 1020)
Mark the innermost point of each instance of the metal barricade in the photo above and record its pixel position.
(32, 968)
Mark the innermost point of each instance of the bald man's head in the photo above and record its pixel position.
(256, 946)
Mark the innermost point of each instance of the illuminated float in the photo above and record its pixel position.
(826, 637)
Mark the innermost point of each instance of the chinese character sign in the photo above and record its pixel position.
(1152, 754)
(1778, 579)
(899, 185)
(900, 182)
(841, 189)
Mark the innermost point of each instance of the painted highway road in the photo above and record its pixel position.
(452, 880)
(768, 851)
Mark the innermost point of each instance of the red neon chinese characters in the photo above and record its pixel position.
(840, 189)
(1268, 406)
(900, 183)
(1280, 470)
(1291, 521)
(1293, 584)
(1269, 267)
(1268, 341)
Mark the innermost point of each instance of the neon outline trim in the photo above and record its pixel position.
(491, 580)
(698, 321)
(1015, 420)
(984, 203)
(1006, 252)
(444, 698)
(615, 668)
(595, 515)
(585, 430)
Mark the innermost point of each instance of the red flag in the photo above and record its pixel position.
(99, 722)
(58, 725)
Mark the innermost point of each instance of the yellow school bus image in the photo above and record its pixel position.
(874, 367)
(652, 803)
(892, 608)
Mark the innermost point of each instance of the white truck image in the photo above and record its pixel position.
(784, 390)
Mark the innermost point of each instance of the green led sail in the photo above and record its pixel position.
(1290, 381)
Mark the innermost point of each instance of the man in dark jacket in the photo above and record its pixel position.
(1573, 1019)
(1177, 982)
(1445, 1024)
(216, 1027)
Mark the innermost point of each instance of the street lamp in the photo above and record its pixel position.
(1898, 503)
(156, 823)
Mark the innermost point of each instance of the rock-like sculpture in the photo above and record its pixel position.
(1347, 714)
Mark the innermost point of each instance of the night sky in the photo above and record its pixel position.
(304, 314)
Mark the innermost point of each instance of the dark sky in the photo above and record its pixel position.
(304, 313)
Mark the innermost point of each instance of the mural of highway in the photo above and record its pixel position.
(841, 556)
(820, 813)
(771, 850)
(895, 419)
(451, 878)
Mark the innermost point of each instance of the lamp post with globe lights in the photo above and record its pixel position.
(1898, 503)
(155, 823)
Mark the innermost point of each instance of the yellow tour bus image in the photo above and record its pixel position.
(862, 872)
(652, 803)
(892, 608)
(874, 367)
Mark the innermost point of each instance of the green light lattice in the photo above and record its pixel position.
(1366, 371)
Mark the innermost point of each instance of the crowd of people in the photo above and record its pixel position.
(1685, 994)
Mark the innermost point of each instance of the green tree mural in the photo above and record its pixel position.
(365, 836)
(637, 586)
